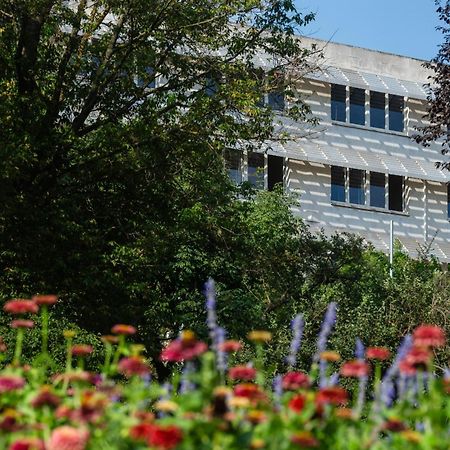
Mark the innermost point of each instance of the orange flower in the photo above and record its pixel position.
(378, 353)
(256, 416)
(330, 356)
(20, 306)
(304, 439)
(82, 350)
(230, 346)
(394, 424)
(260, 336)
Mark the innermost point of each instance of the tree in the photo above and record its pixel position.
(438, 112)
(114, 116)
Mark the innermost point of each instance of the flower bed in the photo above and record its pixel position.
(396, 401)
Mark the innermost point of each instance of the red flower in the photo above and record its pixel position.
(45, 299)
(123, 329)
(22, 323)
(379, 353)
(133, 365)
(295, 380)
(429, 336)
(230, 346)
(418, 357)
(394, 424)
(297, 403)
(183, 350)
(11, 383)
(304, 439)
(332, 395)
(30, 443)
(141, 431)
(406, 368)
(355, 368)
(82, 350)
(20, 306)
(45, 398)
(243, 373)
(248, 390)
(68, 438)
(164, 437)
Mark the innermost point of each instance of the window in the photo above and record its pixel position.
(275, 167)
(377, 189)
(395, 193)
(377, 109)
(338, 95)
(256, 170)
(349, 186)
(395, 113)
(357, 106)
(337, 184)
(233, 164)
(276, 100)
(357, 186)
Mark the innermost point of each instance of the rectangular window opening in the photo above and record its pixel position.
(337, 184)
(396, 107)
(275, 167)
(256, 170)
(357, 106)
(396, 192)
(356, 186)
(338, 96)
(233, 165)
(377, 109)
(377, 189)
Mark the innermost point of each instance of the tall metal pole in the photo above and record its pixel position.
(391, 249)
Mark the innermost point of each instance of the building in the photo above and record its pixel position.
(360, 169)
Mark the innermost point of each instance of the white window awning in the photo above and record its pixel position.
(404, 165)
(370, 81)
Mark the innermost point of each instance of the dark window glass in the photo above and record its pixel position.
(377, 189)
(395, 193)
(276, 100)
(396, 112)
(356, 186)
(377, 112)
(256, 170)
(337, 184)
(147, 80)
(448, 200)
(338, 102)
(357, 102)
(233, 164)
(212, 86)
(274, 171)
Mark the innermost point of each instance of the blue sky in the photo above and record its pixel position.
(404, 27)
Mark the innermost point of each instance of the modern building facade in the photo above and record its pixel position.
(361, 169)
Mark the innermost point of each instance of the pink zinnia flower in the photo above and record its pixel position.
(355, 369)
(295, 380)
(418, 357)
(20, 306)
(429, 336)
(164, 437)
(22, 323)
(45, 299)
(133, 365)
(68, 438)
(243, 373)
(184, 348)
(332, 395)
(230, 346)
(82, 350)
(378, 353)
(123, 329)
(11, 383)
(30, 443)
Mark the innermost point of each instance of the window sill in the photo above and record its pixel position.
(363, 127)
(369, 208)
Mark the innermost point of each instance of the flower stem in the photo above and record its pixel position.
(18, 349)
(44, 329)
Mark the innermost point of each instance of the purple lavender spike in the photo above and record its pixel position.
(323, 381)
(360, 350)
(297, 327)
(211, 319)
(362, 386)
(221, 355)
(334, 379)
(278, 389)
(327, 325)
(185, 383)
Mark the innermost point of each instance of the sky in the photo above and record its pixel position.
(403, 27)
